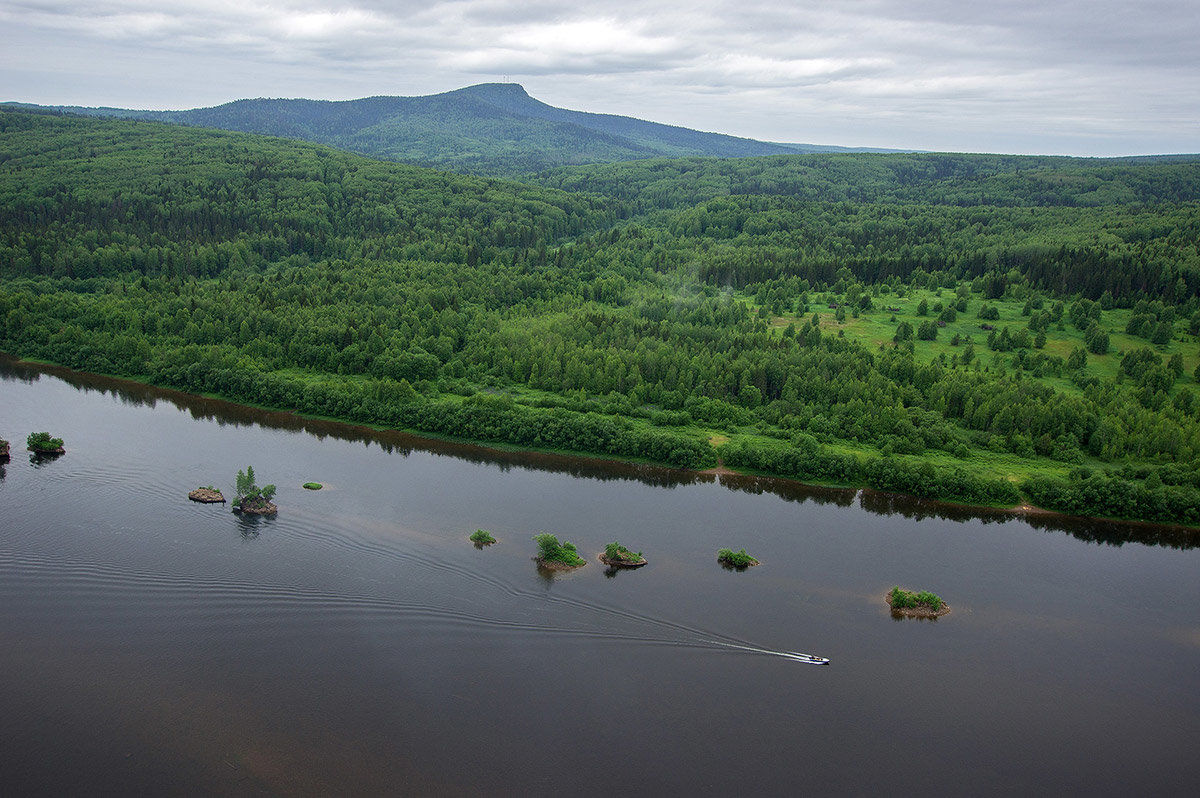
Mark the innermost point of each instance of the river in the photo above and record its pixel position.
(357, 643)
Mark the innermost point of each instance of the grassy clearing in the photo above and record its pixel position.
(877, 327)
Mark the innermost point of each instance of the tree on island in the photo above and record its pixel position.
(251, 498)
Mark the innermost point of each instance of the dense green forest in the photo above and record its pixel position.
(983, 329)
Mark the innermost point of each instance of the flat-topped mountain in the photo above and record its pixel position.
(492, 128)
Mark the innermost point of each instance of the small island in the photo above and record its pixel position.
(42, 443)
(207, 495)
(481, 538)
(617, 556)
(3, 449)
(312, 486)
(252, 499)
(557, 556)
(738, 560)
(907, 604)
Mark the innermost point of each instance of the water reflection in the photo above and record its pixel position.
(43, 459)
(249, 525)
(900, 617)
(788, 490)
(1117, 533)
(1113, 533)
(880, 503)
(728, 566)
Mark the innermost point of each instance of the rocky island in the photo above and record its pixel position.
(617, 556)
(207, 495)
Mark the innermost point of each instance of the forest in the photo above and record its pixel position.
(980, 329)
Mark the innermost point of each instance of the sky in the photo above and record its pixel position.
(1075, 77)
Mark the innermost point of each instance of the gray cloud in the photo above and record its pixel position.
(1070, 76)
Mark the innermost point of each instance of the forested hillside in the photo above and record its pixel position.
(976, 328)
(492, 129)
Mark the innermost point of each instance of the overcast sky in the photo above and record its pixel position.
(1082, 77)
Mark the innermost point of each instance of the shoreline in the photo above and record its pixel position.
(714, 473)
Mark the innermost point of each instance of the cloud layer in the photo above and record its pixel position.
(1064, 76)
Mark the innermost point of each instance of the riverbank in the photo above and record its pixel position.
(571, 460)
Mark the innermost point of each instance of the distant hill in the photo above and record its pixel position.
(492, 128)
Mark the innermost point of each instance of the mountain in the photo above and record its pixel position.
(492, 128)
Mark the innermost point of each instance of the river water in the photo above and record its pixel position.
(357, 643)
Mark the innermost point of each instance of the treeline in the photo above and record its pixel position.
(1117, 497)
(963, 180)
(387, 402)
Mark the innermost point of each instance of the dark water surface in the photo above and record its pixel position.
(359, 644)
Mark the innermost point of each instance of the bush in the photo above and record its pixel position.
(312, 486)
(483, 537)
(735, 559)
(42, 442)
(615, 551)
(907, 600)
(550, 550)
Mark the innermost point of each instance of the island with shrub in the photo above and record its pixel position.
(617, 556)
(3, 449)
(481, 538)
(738, 560)
(557, 556)
(42, 443)
(907, 604)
